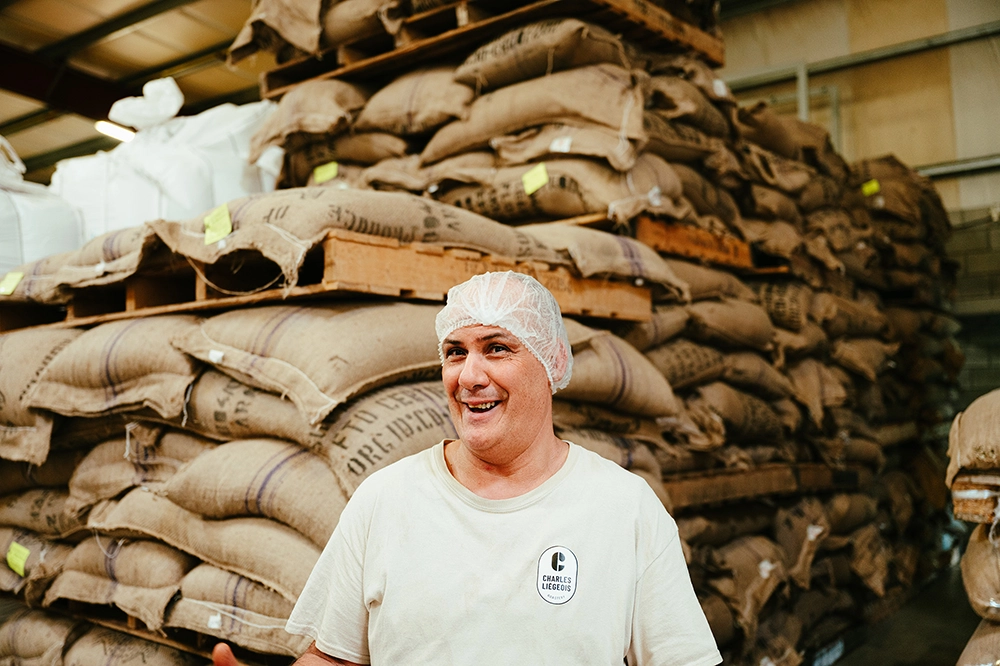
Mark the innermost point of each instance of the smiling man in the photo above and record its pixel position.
(507, 545)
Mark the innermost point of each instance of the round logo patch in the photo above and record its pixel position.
(557, 571)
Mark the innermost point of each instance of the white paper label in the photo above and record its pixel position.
(814, 532)
(561, 144)
(99, 268)
(720, 88)
(215, 621)
(765, 568)
(215, 356)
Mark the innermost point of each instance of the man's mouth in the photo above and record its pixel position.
(483, 407)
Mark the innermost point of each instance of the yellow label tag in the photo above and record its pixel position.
(9, 282)
(17, 556)
(871, 188)
(325, 172)
(535, 179)
(218, 225)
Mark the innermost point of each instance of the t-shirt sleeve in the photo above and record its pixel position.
(669, 627)
(332, 609)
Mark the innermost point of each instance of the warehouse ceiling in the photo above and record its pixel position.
(65, 62)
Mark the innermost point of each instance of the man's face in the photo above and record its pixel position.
(498, 392)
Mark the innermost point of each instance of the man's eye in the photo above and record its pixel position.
(498, 349)
(454, 351)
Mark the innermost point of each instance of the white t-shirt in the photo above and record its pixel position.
(585, 569)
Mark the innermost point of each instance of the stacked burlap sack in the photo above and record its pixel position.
(973, 451)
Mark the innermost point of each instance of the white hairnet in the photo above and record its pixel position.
(518, 303)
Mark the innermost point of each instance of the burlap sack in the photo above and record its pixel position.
(708, 199)
(85, 433)
(349, 177)
(692, 68)
(973, 443)
(558, 140)
(836, 225)
(747, 417)
(613, 99)
(345, 149)
(817, 148)
(731, 323)
(679, 100)
(768, 203)
(754, 569)
(667, 322)
(789, 413)
(539, 49)
(42, 511)
(283, 226)
(763, 166)
(138, 577)
(382, 427)
(40, 284)
(273, 348)
(720, 618)
(38, 561)
(417, 102)
(120, 366)
(870, 556)
(34, 638)
(983, 645)
(352, 20)
(752, 372)
(24, 355)
(724, 168)
(787, 303)
(800, 530)
(820, 192)
(705, 282)
(572, 187)
(53, 473)
(778, 636)
(809, 341)
(628, 453)
(899, 490)
(572, 415)
(816, 387)
(715, 527)
(228, 606)
(849, 511)
(110, 648)
(677, 142)
(279, 26)
(119, 464)
(941, 325)
(261, 477)
(598, 254)
(840, 316)
(310, 110)
(868, 357)
(108, 259)
(260, 549)
(609, 371)
(685, 363)
(761, 125)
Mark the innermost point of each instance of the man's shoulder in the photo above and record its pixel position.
(406, 471)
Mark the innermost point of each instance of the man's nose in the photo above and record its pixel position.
(473, 371)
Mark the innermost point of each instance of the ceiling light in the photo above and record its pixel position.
(114, 131)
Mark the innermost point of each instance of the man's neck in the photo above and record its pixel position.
(512, 478)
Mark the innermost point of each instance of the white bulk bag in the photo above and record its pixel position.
(34, 222)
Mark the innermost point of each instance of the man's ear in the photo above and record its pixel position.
(561, 364)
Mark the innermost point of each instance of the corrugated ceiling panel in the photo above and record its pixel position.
(214, 82)
(54, 134)
(231, 14)
(55, 19)
(184, 32)
(14, 106)
(125, 54)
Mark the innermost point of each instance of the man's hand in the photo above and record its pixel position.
(222, 655)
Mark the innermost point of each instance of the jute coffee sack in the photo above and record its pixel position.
(119, 464)
(840, 231)
(627, 453)
(839, 316)
(752, 372)
(598, 254)
(609, 371)
(816, 387)
(25, 433)
(849, 511)
(574, 415)
(868, 357)
(982, 645)
(870, 558)
(838, 451)
(42, 511)
(347, 176)
(261, 477)
(747, 417)
(753, 569)
(765, 167)
(79, 433)
(309, 111)
(679, 100)
(273, 348)
(787, 303)
(108, 259)
(283, 226)
(705, 282)
(350, 20)
(572, 187)
(715, 527)
(228, 606)
(381, 427)
(539, 49)
(33, 563)
(39, 283)
(282, 27)
(614, 100)
(972, 441)
(690, 67)
(685, 363)
(558, 140)
(417, 102)
(243, 545)
(677, 142)
(363, 148)
(980, 573)
(731, 323)
(111, 648)
(55, 472)
(34, 638)
(768, 203)
(789, 345)
(708, 199)
(820, 192)
(799, 530)
(120, 366)
(759, 124)
(138, 577)
(667, 322)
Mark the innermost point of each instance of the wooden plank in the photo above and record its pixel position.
(694, 243)
(696, 490)
(661, 22)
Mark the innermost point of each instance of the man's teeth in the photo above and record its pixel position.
(483, 407)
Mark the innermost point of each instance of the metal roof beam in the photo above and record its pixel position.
(28, 120)
(88, 147)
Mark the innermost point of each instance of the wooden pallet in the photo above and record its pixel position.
(455, 30)
(974, 496)
(707, 488)
(348, 264)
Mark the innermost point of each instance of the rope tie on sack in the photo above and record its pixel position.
(129, 427)
(225, 610)
(623, 143)
(184, 407)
